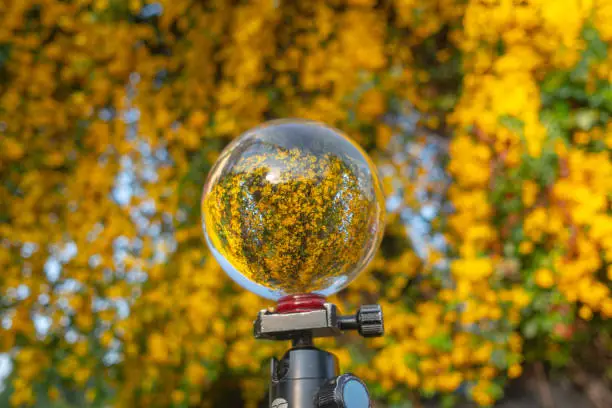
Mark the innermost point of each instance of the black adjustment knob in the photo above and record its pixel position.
(370, 321)
(344, 391)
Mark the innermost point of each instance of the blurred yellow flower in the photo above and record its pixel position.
(515, 370)
(544, 278)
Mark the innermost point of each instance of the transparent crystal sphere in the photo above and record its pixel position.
(293, 207)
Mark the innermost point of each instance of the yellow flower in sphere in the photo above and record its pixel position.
(293, 207)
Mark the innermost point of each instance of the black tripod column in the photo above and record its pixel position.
(297, 377)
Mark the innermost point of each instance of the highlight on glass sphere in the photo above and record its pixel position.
(293, 207)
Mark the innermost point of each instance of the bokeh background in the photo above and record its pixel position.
(489, 121)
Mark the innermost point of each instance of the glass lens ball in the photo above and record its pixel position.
(293, 207)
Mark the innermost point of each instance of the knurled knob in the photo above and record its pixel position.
(344, 391)
(370, 321)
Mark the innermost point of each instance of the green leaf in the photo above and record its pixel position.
(595, 46)
(441, 342)
(496, 390)
(530, 329)
(448, 401)
(586, 118)
(403, 404)
(411, 361)
(5, 52)
(499, 358)
(514, 124)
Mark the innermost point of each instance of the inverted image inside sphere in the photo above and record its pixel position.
(293, 207)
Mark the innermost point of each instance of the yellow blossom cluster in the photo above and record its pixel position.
(112, 112)
(535, 218)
